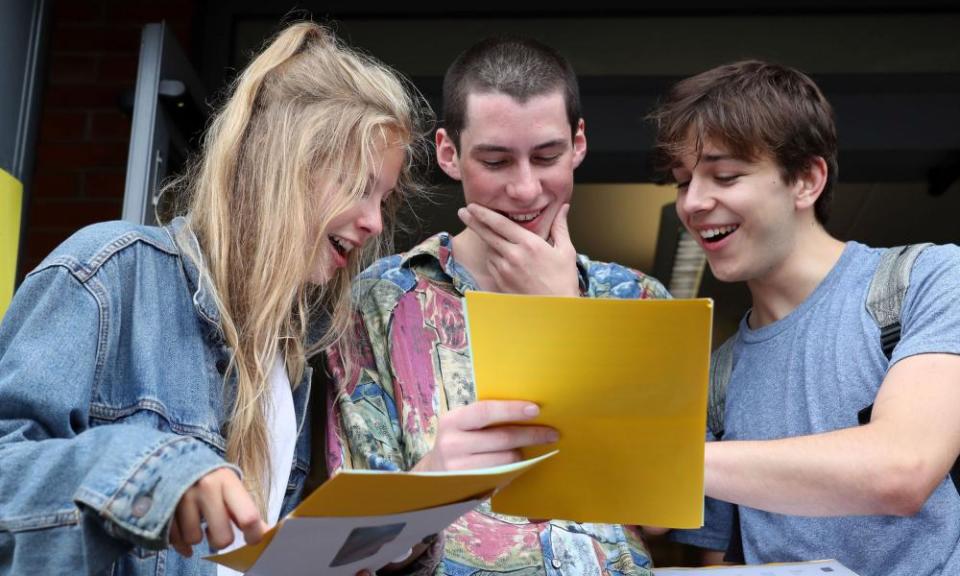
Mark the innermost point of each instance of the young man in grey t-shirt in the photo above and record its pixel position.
(752, 148)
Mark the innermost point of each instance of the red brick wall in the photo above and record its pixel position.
(84, 134)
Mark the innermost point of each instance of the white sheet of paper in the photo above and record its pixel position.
(334, 546)
(814, 568)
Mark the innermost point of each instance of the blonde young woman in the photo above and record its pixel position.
(153, 381)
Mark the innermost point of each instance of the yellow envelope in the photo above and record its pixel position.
(625, 384)
(11, 200)
(378, 493)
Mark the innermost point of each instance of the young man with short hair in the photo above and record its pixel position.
(752, 147)
(512, 136)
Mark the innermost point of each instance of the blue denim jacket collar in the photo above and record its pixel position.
(189, 248)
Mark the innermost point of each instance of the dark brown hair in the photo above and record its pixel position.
(521, 68)
(752, 109)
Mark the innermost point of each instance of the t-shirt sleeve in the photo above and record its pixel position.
(930, 317)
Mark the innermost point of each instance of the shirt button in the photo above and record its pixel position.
(141, 506)
(556, 563)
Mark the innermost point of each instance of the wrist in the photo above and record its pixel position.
(426, 464)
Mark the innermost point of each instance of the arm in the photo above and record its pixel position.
(889, 466)
(96, 490)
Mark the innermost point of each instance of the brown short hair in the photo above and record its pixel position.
(751, 108)
(521, 68)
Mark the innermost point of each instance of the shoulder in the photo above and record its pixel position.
(86, 251)
(937, 259)
(381, 285)
(930, 317)
(388, 269)
(612, 280)
(935, 267)
(935, 278)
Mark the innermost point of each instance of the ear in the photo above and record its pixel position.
(810, 183)
(447, 156)
(579, 144)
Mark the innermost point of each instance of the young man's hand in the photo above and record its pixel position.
(484, 434)
(221, 500)
(520, 261)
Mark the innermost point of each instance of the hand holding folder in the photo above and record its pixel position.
(363, 519)
(484, 434)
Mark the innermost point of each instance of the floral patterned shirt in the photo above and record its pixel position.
(413, 364)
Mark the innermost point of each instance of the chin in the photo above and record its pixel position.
(546, 227)
(725, 273)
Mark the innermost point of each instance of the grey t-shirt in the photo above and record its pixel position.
(812, 372)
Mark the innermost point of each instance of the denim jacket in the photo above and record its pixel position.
(112, 404)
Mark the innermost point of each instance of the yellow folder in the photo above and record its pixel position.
(378, 493)
(625, 384)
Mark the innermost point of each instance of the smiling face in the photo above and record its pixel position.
(361, 220)
(517, 159)
(740, 211)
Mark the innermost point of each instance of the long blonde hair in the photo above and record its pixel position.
(293, 146)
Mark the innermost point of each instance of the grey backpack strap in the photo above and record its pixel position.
(887, 289)
(721, 367)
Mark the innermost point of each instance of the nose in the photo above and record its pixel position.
(371, 220)
(696, 197)
(524, 186)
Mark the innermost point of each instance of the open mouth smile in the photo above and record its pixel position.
(718, 233)
(341, 248)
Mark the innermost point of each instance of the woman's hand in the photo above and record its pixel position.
(220, 499)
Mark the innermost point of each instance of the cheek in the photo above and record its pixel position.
(480, 187)
(559, 181)
(319, 272)
(345, 219)
(678, 208)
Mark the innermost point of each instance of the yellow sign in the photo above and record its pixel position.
(11, 201)
(625, 384)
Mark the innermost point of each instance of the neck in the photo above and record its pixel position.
(473, 254)
(780, 291)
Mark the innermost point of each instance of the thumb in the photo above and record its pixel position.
(559, 230)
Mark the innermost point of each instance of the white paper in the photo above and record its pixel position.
(815, 568)
(332, 546)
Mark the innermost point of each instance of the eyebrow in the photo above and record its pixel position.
(708, 159)
(717, 157)
(495, 148)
